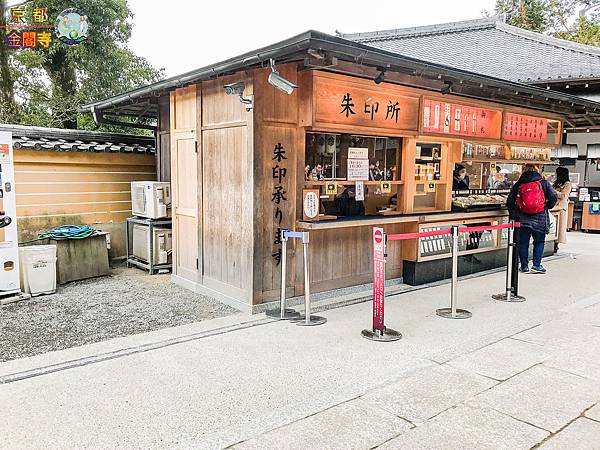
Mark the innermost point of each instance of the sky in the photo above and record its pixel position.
(182, 35)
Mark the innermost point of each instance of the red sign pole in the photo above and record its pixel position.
(379, 332)
(379, 256)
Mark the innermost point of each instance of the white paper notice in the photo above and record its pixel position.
(358, 169)
(358, 153)
(358, 164)
(359, 191)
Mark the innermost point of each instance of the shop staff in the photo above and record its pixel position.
(317, 173)
(460, 180)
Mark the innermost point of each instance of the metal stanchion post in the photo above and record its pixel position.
(510, 295)
(283, 313)
(515, 259)
(453, 312)
(307, 320)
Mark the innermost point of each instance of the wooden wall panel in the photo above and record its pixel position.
(163, 140)
(344, 257)
(227, 217)
(48, 178)
(184, 182)
(222, 110)
(286, 138)
(83, 188)
(275, 124)
(274, 105)
(183, 110)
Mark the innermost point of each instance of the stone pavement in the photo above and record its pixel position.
(514, 376)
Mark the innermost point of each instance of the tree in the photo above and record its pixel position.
(7, 92)
(528, 14)
(573, 20)
(55, 81)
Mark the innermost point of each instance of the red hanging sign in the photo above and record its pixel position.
(518, 127)
(460, 120)
(378, 279)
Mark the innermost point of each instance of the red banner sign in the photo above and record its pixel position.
(525, 128)
(460, 120)
(378, 279)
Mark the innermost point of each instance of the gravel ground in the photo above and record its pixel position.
(128, 302)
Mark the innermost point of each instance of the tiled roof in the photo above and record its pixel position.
(38, 138)
(491, 47)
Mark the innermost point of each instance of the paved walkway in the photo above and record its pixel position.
(515, 376)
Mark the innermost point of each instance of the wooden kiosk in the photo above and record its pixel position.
(252, 178)
(363, 138)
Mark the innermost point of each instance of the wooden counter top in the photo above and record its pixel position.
(329, 224)
(383, 220)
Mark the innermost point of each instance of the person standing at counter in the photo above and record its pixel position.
(562, 186)
(317, 173)
(375, 172)
(528, 203)
(460, 180)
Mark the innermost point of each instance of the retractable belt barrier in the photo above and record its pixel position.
(511, 293)
(284, 313)
(379, 331)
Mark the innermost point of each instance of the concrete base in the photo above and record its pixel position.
(7, 300)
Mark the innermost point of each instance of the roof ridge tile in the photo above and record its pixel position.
(447, 27)
(549, 40)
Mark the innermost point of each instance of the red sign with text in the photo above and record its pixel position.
(525, 128)
(378, 279)
(460, 120)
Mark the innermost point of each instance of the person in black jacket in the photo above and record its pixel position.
(460, 179)
(534, 226)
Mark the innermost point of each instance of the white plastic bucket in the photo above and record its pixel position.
(38, 269)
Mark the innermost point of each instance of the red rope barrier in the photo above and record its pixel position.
(403, 237)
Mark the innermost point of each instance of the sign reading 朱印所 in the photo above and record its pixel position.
(344, 101)
(518, 127)
(460, 120)
(378, 279)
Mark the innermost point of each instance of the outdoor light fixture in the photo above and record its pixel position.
(238, 89)
(446, 88)
(587, 85)
(381, 76)
(279, 82)
(315, 54)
